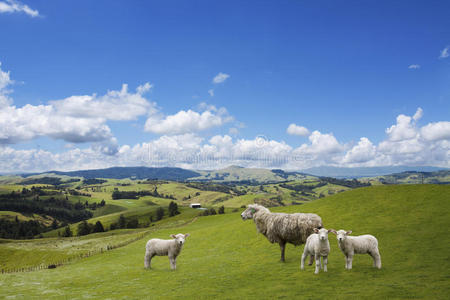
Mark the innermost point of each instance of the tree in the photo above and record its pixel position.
(159, 213)
(212, 211)
(98, 227)
(173, 209)
(122, 223)
(54, 224)
(84, 228)
(133, 223)
(221, 210)
(102, 203)
(67, 232)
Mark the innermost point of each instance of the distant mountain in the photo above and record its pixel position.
(413, 177)
(338, 172)
(250, 175)
(176, 174)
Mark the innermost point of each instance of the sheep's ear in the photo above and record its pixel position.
(348, 232)
(316, 230)
(332, 230)
(186, 235)
(173, 236)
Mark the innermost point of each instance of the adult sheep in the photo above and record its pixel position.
(282, 228)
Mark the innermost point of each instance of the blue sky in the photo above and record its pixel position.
(350, 76)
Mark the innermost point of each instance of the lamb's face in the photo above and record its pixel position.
(248, 213)
(323, 234)
(180, 238)
(341, 235)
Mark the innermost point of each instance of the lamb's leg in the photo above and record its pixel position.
(317, 257)
(148, 259)
(349, 261)
(346, 261)
(376, 259)
(302, 263)
(311, 260)
(282, 247)
(173, 262)
(325, 262)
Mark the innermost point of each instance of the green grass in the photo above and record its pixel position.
(226, 258)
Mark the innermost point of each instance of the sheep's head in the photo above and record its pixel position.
(341, 234)
(249, 212)
(323, 233)
(180, 238)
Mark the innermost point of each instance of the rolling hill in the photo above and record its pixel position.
(225, 258)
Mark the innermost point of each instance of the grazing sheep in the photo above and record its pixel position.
(363, 244)
(282, 228)
(170, 248)
(317, 244)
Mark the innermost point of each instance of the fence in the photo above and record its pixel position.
(70, 259)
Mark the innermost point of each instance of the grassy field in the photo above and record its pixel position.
(226, 258)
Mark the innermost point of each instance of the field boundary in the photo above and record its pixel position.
(80, 256)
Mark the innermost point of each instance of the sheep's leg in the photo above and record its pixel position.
(311, 260)
(325, 262)
(302, 263)
(376, 259)
(346, 262)
(317, 257)
(148, 259)
(282, 247)
(173, 262)
(349, 261)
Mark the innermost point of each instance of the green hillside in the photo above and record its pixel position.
(226, 258)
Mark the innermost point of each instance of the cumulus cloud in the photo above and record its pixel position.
(436, 131)
(188, 121)
(5, 81)
(115, 105)
(405, 127)
(364, 151)
(79, 119)
(211, 92)
(13, 6)
(444, 52)
(221, 77)
(76, 119)
(294, 129)
(414, 67)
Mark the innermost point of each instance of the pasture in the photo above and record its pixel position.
(225, 258)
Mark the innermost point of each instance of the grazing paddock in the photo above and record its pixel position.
(224, 258)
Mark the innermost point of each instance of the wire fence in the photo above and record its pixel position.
(73, 258)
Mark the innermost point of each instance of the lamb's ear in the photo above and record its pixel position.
(186, 235)
(316, 230)
(332, 230)
(173, 236)
(348, 232)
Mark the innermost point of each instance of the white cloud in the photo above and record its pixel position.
(436, 131)
(321, 144)
(188, 121)
(403, 130)
(364, 151)
(115, 105)
(75, 119)
(12, 6)
(211, 92)
(414, 67)
(221, 77)
(418, 115)
(294, 129)
(5, 81)
(444, 52)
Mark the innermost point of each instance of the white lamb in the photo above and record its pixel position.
(170, 248)
(317, 244)
(363, 244)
